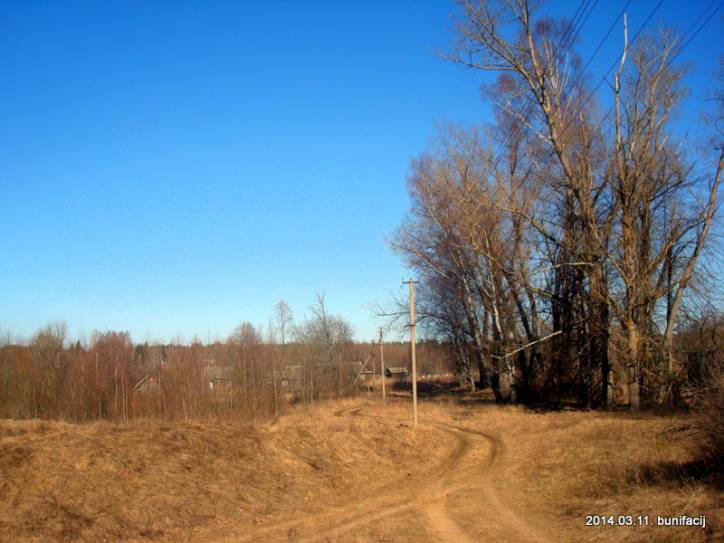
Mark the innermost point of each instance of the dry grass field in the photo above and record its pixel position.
(355, 471)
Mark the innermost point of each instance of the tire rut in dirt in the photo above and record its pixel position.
(430, 491)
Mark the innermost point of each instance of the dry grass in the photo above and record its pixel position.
(558, 467)
(155, 480)
(709, 422)
(204, 480)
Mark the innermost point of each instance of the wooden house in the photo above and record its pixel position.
(149, 383)
(400, 372)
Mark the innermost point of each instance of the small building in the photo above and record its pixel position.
(149, 383)
(400, 372)
(147, 396)
(217, 377)
(292, 377)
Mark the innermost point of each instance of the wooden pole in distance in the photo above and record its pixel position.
(382, 362)
(411, 283)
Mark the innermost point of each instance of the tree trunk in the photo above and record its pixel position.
(632, 352)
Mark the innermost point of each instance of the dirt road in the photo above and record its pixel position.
(341, 471)
(417, 509)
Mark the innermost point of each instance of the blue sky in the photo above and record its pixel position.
(175, 168)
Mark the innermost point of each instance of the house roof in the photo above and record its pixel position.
(149, 376)
(396, 370)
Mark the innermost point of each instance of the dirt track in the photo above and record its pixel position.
(472, 471)
(421, 501)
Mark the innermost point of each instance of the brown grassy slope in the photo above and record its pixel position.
(156, 480)
(558, 467)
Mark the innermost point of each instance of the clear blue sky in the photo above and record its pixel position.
(175, 168)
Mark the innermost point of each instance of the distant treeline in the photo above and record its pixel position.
(248, 376)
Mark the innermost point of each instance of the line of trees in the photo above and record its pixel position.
(560, 248)
(252, 375)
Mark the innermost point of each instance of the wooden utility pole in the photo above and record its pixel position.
(382, 362)
(411, 283)
(276, 405)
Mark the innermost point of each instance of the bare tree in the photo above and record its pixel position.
(284, 320)
(537, 240)
(328, 335)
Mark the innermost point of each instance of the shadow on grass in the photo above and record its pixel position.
(678, 474)
(452, 392)
(446, 391)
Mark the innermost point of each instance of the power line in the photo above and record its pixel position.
(633, 40)
(688, 41)
(577, 27)
(574, 19)
(496, 160)
(499, 155)
(603, 40)
(685, 43)
(572, 32)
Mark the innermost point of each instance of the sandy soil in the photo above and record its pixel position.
(355, 471)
